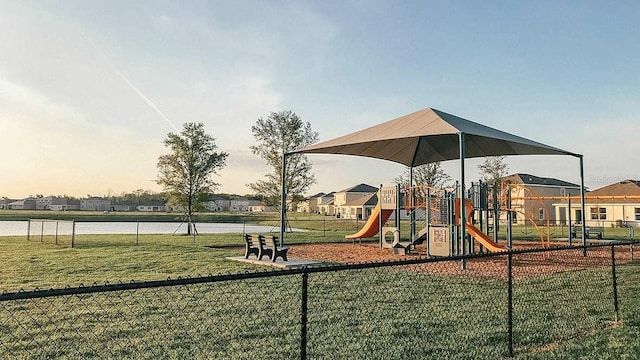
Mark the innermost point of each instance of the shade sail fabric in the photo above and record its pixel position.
(427, 136)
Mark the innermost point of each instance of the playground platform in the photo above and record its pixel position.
(290, 264)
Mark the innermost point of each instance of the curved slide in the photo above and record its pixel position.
(483, 239)
(372, 226)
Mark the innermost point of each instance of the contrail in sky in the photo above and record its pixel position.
(146, 99)
(126, 80)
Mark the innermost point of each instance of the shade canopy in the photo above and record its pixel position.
(428, 136)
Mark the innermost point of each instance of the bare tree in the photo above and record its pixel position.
(493, 168)
(430, 174)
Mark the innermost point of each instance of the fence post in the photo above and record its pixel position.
(615, 283)
(303, 322)
(510, 303)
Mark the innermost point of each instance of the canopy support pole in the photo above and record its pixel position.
(463, 215)
(583, 215)
(283, 198)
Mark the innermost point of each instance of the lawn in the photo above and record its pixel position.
(392, 312)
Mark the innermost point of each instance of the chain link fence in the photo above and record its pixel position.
(481, 306)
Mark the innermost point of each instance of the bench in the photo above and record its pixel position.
(275, 250)
(255, 244)
(598, 231)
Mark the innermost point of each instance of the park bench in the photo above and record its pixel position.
(256, 244)
(598, 231)
(276, 251)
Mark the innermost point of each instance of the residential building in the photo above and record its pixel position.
(4, 203)
(64, 205)
(95, 204)
(309, 204)
(539, 211)
(613, 205)
(352, 195)
(258, 206)
(44, 203)
(24, 204)
(153, 207)
(123, 206)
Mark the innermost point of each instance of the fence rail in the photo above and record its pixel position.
(503, 304)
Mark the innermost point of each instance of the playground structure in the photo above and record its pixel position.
(428, 136)
(435, 218)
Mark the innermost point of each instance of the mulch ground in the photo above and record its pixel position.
(525, 265)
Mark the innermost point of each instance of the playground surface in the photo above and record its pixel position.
(525, 265)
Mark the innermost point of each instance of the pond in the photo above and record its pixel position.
(17, 228)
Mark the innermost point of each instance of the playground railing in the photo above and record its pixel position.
(523, 302)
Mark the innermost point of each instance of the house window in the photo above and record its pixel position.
(541, 214)
(637, 211)
(598, 213)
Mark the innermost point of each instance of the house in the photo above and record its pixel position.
(24, 204)
(217, 205)
(44, 203)
(4, 203)
(59, 204)
(123, 206)
(354, 194)
(614, 205)
(539, 211)
(309, 204)
(325, 205)
(258, 206)
(95, 204)
(153, 207)
(359, 208)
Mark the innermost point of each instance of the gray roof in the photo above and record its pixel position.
(428, 136)
(529, 179)
(361, 188)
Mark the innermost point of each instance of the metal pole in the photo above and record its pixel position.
(510, 303)
(303, 331)
(583, 215)
(41, 230)
(463, 215)
(56, 241)
(615, 283)
(283, 199)
(380, 215)
(569, 217)
(73, 233)
(137, 231)
(509, 220)
(428, 221)
(412, 216)
(28, 229)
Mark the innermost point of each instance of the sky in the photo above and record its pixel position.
(90, 89)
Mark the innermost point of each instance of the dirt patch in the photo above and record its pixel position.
(525, 265)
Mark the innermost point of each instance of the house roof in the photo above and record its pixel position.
(316, 196)
(619, 189)
(528, 179)
(328, 202)
(427, 136)
(361, 188)
(364, 200)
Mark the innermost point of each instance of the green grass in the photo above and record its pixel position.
(391, 313)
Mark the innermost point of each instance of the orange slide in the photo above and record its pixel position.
(481, 237)
(372, 226)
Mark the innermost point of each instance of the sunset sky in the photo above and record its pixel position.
(89, 89)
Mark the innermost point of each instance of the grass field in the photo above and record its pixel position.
(387, 313)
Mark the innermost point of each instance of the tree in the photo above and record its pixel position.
(185, 172)
(493, 169)
(430, 174)
(280, 133)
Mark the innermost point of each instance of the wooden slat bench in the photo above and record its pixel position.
(598, 231)
(276, 251)
(256, 244)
